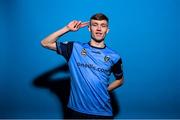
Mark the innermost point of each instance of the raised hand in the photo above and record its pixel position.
(76, 25)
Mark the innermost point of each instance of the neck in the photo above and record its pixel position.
(97, 44)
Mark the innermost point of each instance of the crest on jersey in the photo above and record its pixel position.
(83, 52)
(106, 58)
(66, 42)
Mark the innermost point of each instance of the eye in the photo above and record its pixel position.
(94, 24)
(103, 25)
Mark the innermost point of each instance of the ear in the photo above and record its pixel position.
(107, 31)
(89, 28)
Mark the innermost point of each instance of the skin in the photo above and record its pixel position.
(98, 29)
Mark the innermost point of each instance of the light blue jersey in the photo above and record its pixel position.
(90, 69)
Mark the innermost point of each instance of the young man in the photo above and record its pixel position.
(90, 66)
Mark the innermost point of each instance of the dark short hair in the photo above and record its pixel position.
(99, 16)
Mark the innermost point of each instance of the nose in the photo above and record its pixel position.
(99, 28)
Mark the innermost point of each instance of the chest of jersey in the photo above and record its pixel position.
(93, 58)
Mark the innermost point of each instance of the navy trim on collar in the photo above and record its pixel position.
(97, 47)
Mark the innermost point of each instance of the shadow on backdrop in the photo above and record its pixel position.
(61, 88)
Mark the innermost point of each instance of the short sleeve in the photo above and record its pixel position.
(64, 49)
(117, 69)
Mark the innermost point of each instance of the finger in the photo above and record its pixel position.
(83, 24)
(75, 24)
(87, 22)
(78, 24)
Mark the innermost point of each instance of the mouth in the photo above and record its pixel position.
(99, 34)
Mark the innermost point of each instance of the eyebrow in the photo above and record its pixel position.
(104, 24)
(100, 24)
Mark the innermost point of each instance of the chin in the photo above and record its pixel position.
(97, 39)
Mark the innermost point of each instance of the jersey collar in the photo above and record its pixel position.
(96, 47)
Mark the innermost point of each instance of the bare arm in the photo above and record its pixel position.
(117, 83)
(50, 41)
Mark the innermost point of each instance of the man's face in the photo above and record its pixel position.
(99, 29)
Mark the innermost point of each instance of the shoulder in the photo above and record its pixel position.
(67, 43)
(79, 44)
(72, 43)
(113, 54)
